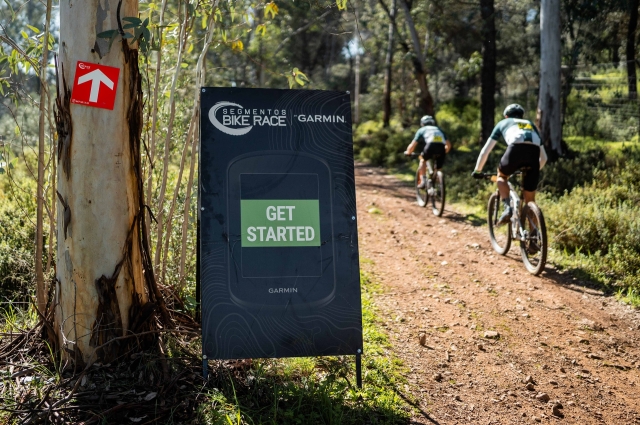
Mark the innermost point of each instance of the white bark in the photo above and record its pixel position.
(40, 286)
(356, 94)
(414, 34)
(154, 114)
(550, 63)
(194, 131)
(101, 189)
(167, 142)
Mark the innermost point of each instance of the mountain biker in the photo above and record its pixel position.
(524, 149)
(436, 146)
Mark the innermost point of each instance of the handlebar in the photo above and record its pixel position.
(492, 176)
(412, 155)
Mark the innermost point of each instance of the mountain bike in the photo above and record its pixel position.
(527, 225)
(433, 191)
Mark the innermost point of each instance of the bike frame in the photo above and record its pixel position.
(517, 228)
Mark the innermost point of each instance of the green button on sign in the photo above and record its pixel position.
(280, 222)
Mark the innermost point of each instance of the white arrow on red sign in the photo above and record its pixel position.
(95, 85)
(96, 77)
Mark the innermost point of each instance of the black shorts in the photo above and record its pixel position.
(521, 155)
(435, 151)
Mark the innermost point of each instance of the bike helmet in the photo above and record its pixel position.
(427, 120)
(514, 111)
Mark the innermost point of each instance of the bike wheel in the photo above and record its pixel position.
(500, 235)
(534, 247)
(437, 199)
(421, 194)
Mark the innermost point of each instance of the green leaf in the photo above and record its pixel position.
(292, 81)
(24, 34)
(342, 4)
(128, 26)
(133, 20)
(34, 29)
(107, 34)
(272, 8)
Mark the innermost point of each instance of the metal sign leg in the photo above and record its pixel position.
(205, 368)
(359, 369)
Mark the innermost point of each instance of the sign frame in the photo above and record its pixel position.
(273, 161)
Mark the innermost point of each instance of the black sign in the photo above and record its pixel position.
(278, 237)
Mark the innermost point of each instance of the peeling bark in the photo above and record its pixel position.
(105, 283)
(64, 126)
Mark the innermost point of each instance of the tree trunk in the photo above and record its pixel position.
(420, 70)
(356, 91)
(167, 142)
(548, 115)
(488, 75)
(388, 67)
(154, 113)
(40, 287)
(631, 49)
(104, 278)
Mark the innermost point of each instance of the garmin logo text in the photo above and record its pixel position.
(282, 290)
(236, 120)
(320, 118)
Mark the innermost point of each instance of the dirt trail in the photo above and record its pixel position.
(579, 347)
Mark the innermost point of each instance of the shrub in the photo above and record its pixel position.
(601, 220)
(17, 235)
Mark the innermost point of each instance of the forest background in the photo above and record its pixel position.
(383, 52)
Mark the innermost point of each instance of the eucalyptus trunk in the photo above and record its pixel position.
(548, 115)
(40, 286)
(488, 73)
(105, 286)
(420, 70)
(631, 49)
(388, 68)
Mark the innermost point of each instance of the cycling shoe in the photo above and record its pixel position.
(505, 217)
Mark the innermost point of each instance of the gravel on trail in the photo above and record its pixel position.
(482, 340)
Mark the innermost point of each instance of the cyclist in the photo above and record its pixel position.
(524, 149)
(436, 146)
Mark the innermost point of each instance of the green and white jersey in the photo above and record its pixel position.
(513, 131)
(516, 130)
(430, 134)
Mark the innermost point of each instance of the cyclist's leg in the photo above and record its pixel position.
(503, 186)
(531, 177)
(422, 171)
(529, 196)
(509, 164)
(430, 167)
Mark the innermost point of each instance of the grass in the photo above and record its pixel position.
(308, 390)
(315, 390)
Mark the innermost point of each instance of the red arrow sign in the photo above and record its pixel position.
(95, 85)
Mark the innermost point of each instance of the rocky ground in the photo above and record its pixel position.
(482, 340)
